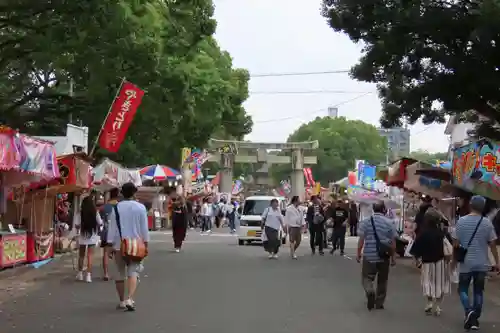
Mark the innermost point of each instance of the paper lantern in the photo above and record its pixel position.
(352, 178)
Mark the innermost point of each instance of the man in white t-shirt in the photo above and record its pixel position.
(294, 221)
(133, 224)
(206, 215)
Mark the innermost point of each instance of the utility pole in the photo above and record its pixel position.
(71, 94)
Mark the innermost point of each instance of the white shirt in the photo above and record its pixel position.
(294, 217)
(206, 209)
(133, 223)
(272, 218)
(228, 208)
(94, 238)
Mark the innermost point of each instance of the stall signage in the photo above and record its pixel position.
(120, 117)
(9, 154)
(197, 189)
(429, 182)
(67, 170)
(476, 168)
(14, 249)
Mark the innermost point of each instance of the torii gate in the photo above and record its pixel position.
(227, 157)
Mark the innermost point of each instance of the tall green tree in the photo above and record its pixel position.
(425, 156)
(429, 58)
(64, 59)
(341, 142)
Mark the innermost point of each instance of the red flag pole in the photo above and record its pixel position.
(106, 118)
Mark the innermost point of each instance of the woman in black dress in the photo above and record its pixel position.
(179, 222)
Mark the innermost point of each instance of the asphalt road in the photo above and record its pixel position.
(216, 286)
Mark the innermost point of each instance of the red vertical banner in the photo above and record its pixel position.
(309, 177)
(120, 117)
(308, 183)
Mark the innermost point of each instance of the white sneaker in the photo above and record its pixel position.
(79, 276)
(437, 310)
(294, 256)
(88, 277)
(275, 256)
(122, 305)
(271, 256)
(130, 305)
(209, 231)
(177, 250)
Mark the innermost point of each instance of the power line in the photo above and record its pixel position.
(307, 92)
(312, 113)
(343, 71)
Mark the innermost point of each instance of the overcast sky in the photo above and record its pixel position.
(283, 36)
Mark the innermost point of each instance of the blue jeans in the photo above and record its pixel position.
(464, 281)
(230, 218)
(206, 223)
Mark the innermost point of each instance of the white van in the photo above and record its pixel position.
(251, 218)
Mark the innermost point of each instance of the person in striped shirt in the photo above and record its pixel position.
(475, 233)
(373, 266)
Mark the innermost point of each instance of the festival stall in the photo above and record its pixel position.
(24, 161)
(418, 179)
(34, 207)
(416, 182)
(476, 168)
(109, 174)
(75, 170)
(153, 198)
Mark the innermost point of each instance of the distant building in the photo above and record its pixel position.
(76, 140)
(398, 141)
(333, 112)
(458, 134)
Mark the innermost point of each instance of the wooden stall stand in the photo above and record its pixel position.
(75, 178)
(34, 210)
(152, 198)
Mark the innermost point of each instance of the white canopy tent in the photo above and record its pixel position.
(109, 174)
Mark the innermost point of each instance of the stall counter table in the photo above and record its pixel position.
(12, 248)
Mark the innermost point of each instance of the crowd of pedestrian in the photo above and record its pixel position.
(121, 229)
(439, 249)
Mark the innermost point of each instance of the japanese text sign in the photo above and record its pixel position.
(120, 117)
(476, 168)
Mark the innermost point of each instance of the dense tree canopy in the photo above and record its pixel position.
(429, 58)
(341, 141)
(425, 156)
(64, 59)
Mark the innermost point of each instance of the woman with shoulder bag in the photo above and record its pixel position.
(434, 251)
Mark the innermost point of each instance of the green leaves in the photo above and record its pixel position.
(429, 58)
(341, 141)
(166, 48)
(425, 156)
